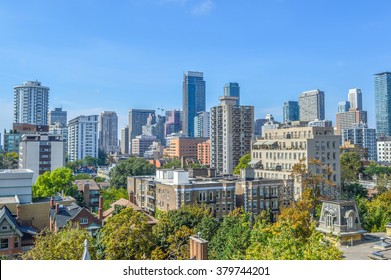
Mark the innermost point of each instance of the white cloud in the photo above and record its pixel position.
(203, 8)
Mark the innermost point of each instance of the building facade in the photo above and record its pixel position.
(202, 124)
(141, 144)
(137, 118)
(17, 183)
(125, 140)
(231, 132)
(58, 116)
(181, 146)
(108, 132)
(383, 145)
(232, 89)
(41, 153)
(83, 137)
(383, 103)
(290, 111)
(355, 99)
(348, 119)
(193, 99)
(173, 122)
(311, 105)
(31, 103)
(203, 152)
(363, 136)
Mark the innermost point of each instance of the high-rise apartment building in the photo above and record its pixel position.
(274, 156)
(12, 138)
(125, 140)
(58, 116)
(141, 144)
(31, 103)
(202, 124)
(108, 132)
(203, 152)
(383, 103)
(232, 89)
(363, 136)
(355, 99)
(173, 122)
(384, 149)
(193, 99)
(290, 111)
(348, 119)
(311, 105)
(231, 131)
(343, 106)
(41, 153)
(83, 137)
(137, 118)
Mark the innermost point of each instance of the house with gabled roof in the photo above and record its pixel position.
(15, 238)
(60, 216)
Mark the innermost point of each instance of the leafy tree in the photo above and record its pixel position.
(131, 167)
(351, 166)
(102, 157)
(9, 160)
(90, 161)
(82, 176)
(174, 163)
(353, 190)
(56, 181)
(111, 195)
(374, 168)
(232, 237)
(243, 163)
(126, 236)
(67, 244)
(99, 179)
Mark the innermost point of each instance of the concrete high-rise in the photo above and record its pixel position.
(383, 103)
(232, 89)
(355, 99)
(137, 118)
(290, 111)
(343, 106)
(83, 137)
(202, 124)
(363, 136)
(173, 122)
(58, 116)
(31, 103)
(125, 140)
(311, 105)
(108, 132)
(193, 99)
(231, 131)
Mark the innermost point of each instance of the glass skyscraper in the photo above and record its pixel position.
(193, 99)
(232, 89)
(290, 111)
(383, 103)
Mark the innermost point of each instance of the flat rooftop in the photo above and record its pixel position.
(363, 249)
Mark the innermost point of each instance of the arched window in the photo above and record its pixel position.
(329, 219)
(350, 220)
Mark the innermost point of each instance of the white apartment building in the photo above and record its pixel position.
(41, 153)
(311, 105)
(16, 186)
(274, 156)
(383, 148)
(83, 137)
(202, 124)
(231, 131)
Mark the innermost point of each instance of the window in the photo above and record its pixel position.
(187, 196)
(16, 242)
(4, 228)
(210, 196)
(329, 219)
(83, 221)
(350, 220)
(3, 243)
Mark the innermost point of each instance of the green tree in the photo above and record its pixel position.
(131, 167)
(173, 163)
(67, 244)
(126, 236)
(232, 237)
(374, 168)
(111, 195)
(9, 160)
(243, 163)
(102, 157)
(54, 182)
(351, 166)
(353, 190)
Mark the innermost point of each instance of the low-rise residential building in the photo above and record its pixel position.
(383, 147)
(89, 190)
(172, 189)
(141, 144)
(16, 183)
(183, 147)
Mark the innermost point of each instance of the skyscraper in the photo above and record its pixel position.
(31, 103)
(108, 132)
(137, 118)
(125, 140)
(231, 130)
(232, 89)
(343, 106)
(173, 122)
(83, 137)
(58, 116)
(355, 99)
(383, 103)
(193, 99)
(311, 105)
(202, 124)
(290, 111)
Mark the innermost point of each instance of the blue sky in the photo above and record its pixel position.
(116, 55)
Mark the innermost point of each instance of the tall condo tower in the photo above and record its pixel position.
(31, 103)
(383, 103)
(193, 99)
(311, 105)
(232, 89)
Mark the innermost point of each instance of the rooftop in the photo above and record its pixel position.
(365, 248)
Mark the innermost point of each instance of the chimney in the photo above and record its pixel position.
(131, 197)
(57, 208)
(52, 202)
(198, 248)
(183, 162)
(18, 211)
(100, 209)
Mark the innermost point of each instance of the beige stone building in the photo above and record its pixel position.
(274, 156)
(183, 147)
(171, 189)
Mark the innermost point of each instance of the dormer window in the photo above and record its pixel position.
(83, 221)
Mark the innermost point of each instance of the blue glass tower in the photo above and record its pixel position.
(290, 111)
(383, 103)
(193, 99)
(232, 89)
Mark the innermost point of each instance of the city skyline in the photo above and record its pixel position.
(90, 69)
